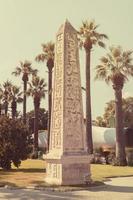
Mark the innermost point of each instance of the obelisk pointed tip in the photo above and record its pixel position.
(66, 26)
(67, 21)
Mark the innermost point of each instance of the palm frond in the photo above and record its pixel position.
(108, 79)
(20, 93)
(101, 44)
(34, 72)
(19, 100)
(98, 67)
(103, 36)
(40, 58)
(127, 53)
(17, 71)
(101, 74)
(27, 64)
(116, 52)
(7, 84)
(37, 87)
(116, 66)
(15, 89)
(88, 34)
(95, 27)
(48, 52)
(1, 93)
(83, 88)
(104, 60)
(41, 82)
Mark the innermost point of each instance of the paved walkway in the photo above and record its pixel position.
(115, 189)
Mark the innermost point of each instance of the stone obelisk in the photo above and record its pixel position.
(67, 160)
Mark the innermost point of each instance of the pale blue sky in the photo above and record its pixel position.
(25, 24)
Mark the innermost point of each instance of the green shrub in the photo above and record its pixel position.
(15, 142)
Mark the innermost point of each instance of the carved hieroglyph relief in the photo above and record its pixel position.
(67, 113)
(74, 140)
(54, 170)
(57, 106)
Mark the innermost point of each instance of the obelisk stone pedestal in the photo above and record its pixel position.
(67, 160)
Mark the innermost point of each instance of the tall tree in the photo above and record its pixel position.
(48, 57)
(109, 114)
(15, 97)
(37, 91)
(100, 122)
(127, 107)
(115, 67)
(43, 119)
(88, 38)
(128, 112)
(24, 69)
(6, 95)
(1, 97)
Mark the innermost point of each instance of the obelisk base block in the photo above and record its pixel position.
(68, 170)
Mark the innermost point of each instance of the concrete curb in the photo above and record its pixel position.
(53, 189)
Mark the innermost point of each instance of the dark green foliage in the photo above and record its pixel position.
(15, 142)
(42, 121)
(100, 122)
(108, 117)
(127, 107)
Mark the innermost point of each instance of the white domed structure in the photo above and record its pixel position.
(103, 137)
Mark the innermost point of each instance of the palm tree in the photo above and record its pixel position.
(128, 111)
(6, 94)
(115, 67)
(1, 97)
(100, 121)
(48, 57)
(24, 69)
(15, 97)
(37, 91)
(110, 113)
(89, 37)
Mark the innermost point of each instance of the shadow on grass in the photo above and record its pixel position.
(36, 170)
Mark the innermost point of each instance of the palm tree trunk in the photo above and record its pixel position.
(14, 107)
(49, 103)
(36, 108)
(24, 102)
(6, 107)
(0, 109)
(120, 145)
(88, 104)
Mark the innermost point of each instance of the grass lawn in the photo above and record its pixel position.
(102, 172)
(32, 172)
